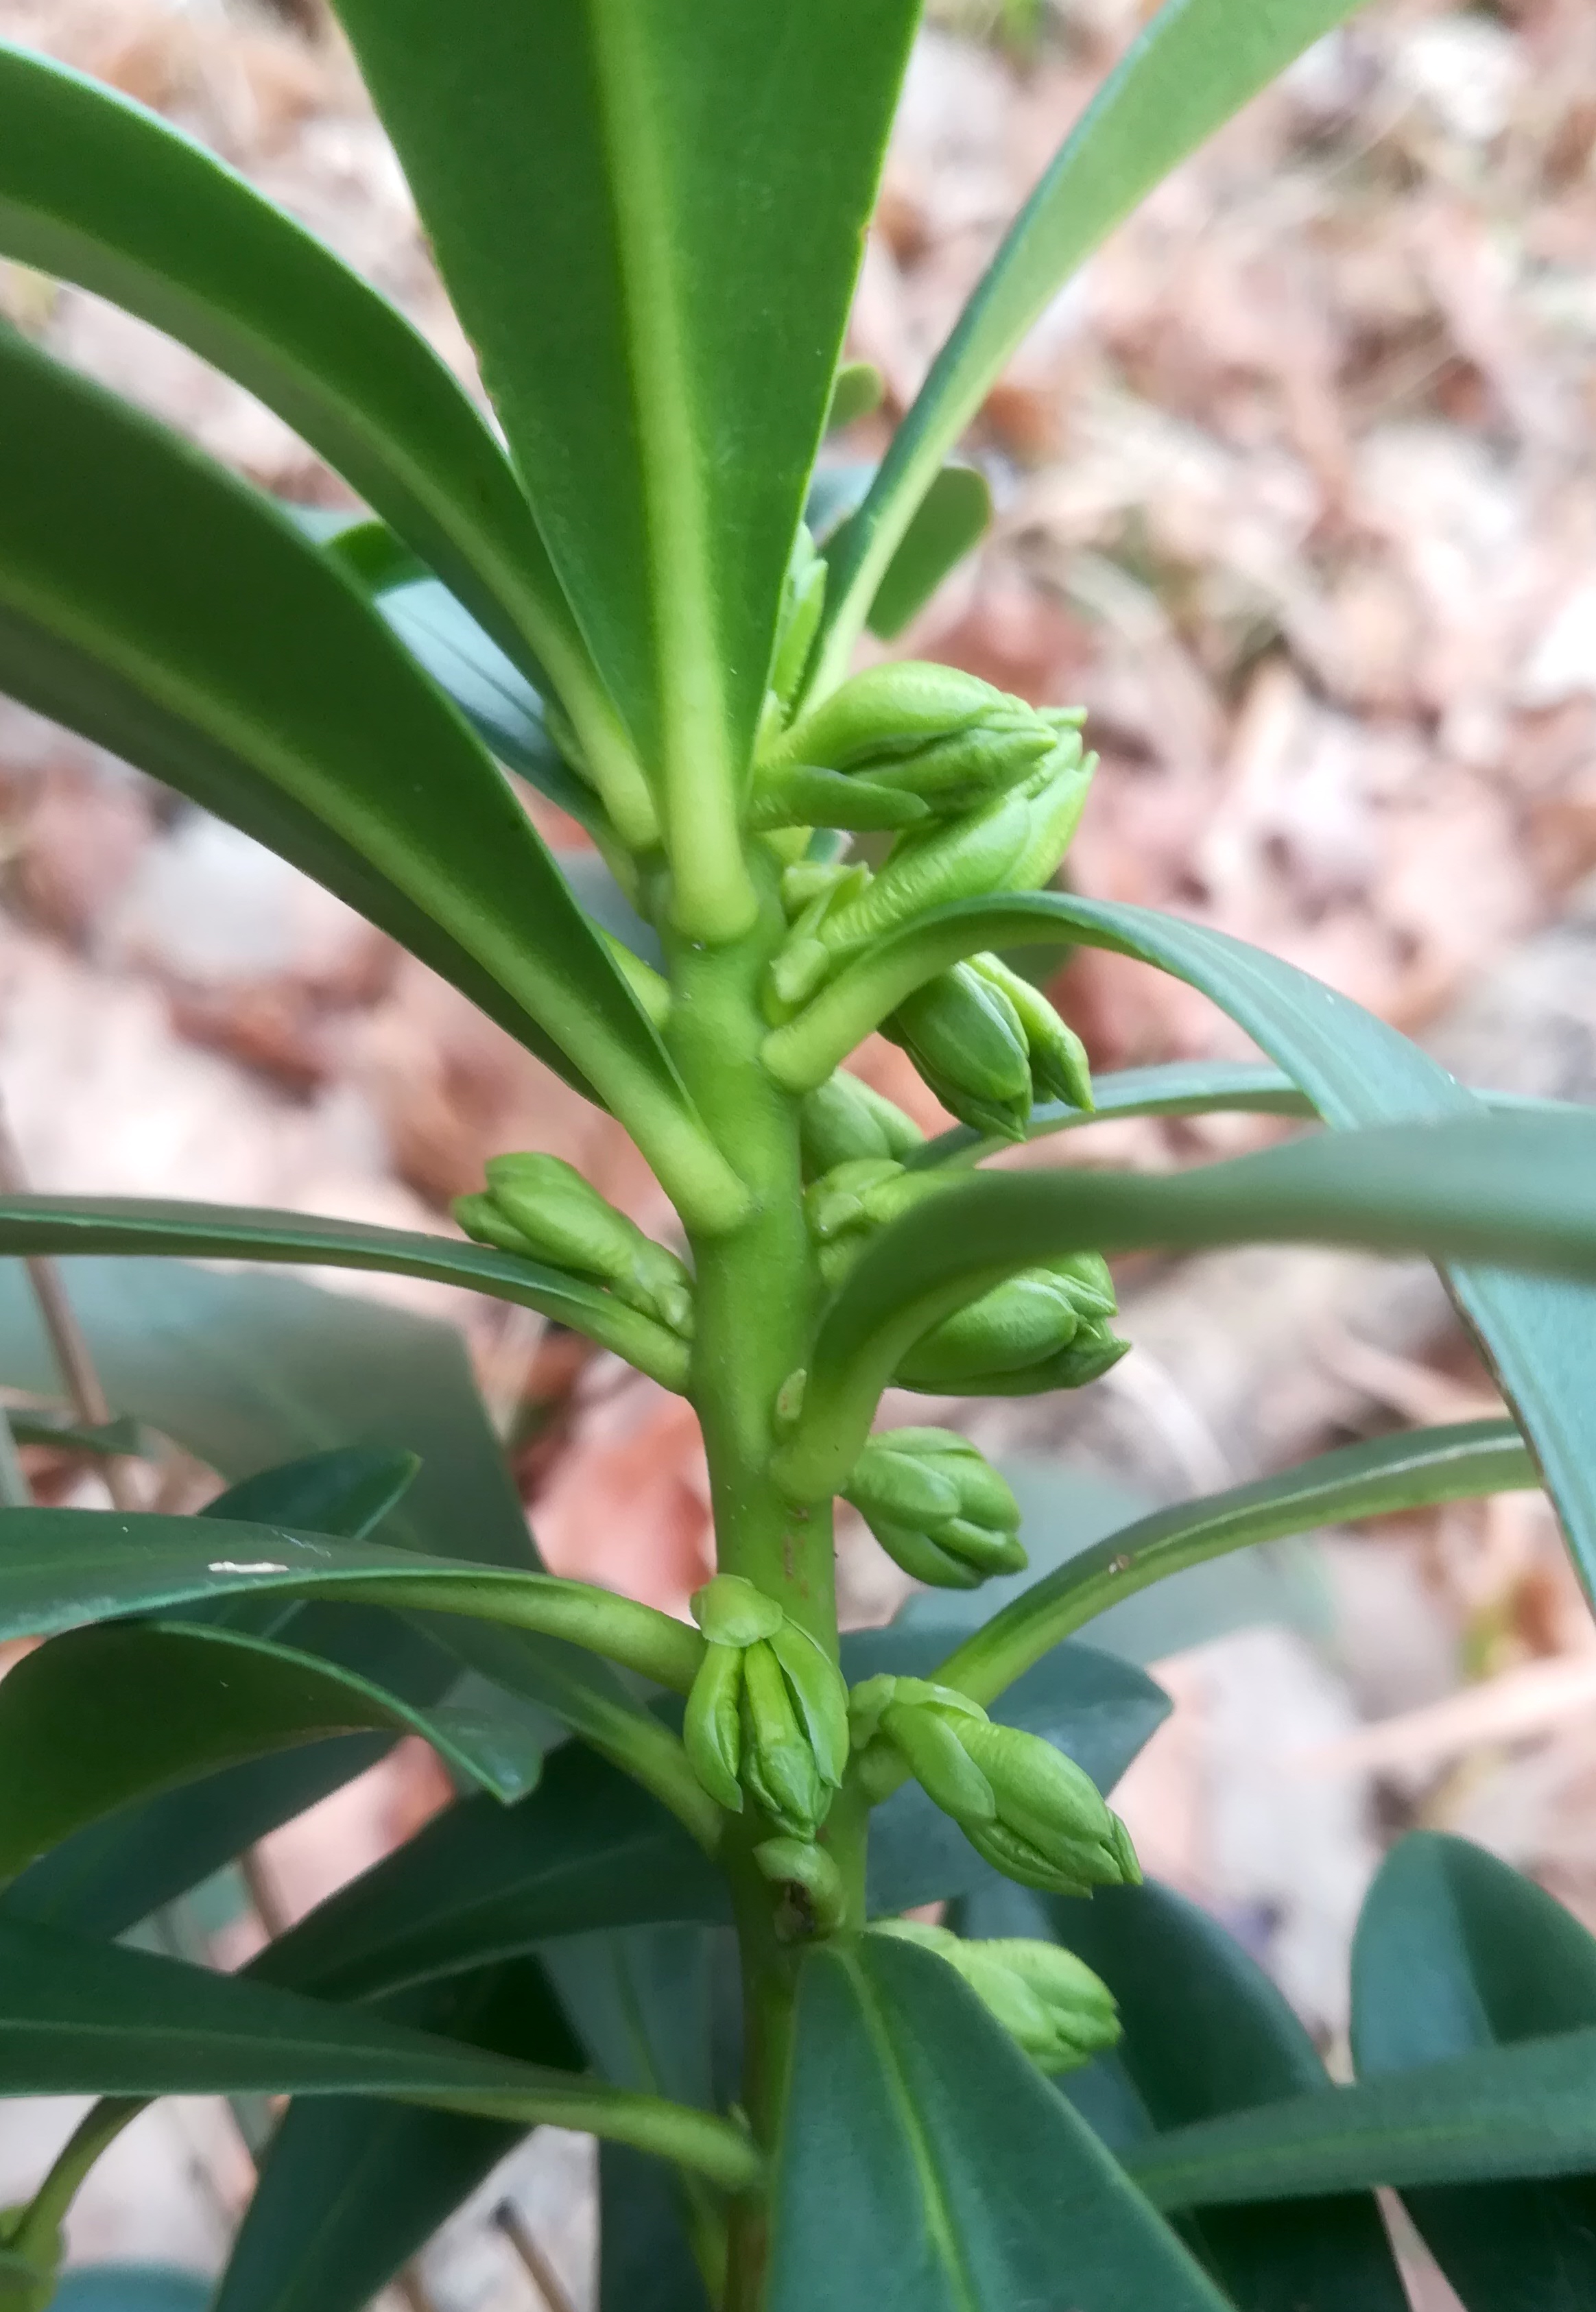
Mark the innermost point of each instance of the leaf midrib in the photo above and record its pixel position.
(938, 2221)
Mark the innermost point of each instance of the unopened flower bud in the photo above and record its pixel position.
(1047, 2000)
(888, 712)
(541, 1207)
(1055, 797)
(1043, 1327)
(966, 1041)
(1059, 1068)
(938, 1507)
(1023, 1806)
(965, 858)
(798, 794)
(844, 1207)
(843, 1119)
(767, 1711)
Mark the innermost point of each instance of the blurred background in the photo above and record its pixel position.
(1295, 493)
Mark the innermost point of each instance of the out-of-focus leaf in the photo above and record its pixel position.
(950, 518)
(349, 2189)
(1456, 1951)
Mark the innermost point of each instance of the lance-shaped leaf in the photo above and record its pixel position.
(1195, 63)
(78, 2018)
(95, 189)
(925, 2161)
(649, 218)
(1178, 1088)
(172, 615)
(951, 517)
(1511, 2111)
(1383, 1475)
(1519, 1188)
(60, 1568)
(350, 2188)
(1456, 1951)
(99, 1718)
(480, 1883)
(137, 1224)
(1204, 2032)
(1355, 1070)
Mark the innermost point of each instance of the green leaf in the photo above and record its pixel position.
(950, 519)
(80, 2017)
(350, 2189)
(138, 1225)
(858, 389)
(480, 1883)
(1206, 2032)
(102, 1716)
(1456, 1951)
(131, 2287)
(120, 1436)
(1098, 1711)
(645, 2259)
(1356, 1070)
(924, 2161)
(661, 333)
(172, 615)
(1509, 2111)
(60, 1568)
(1519, 1187)
(1383, 1475)
(248, 1372)
(1196, 62)
(96, 190)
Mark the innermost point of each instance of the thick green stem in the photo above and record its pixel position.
(758, 1297)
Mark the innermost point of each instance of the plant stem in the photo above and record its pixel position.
(759, 1296)
(35, 2229)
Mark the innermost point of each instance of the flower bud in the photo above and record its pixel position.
(964, 858)
(1044, 1327)
(1055, 797)
(966, 1039)
(1059, 1068)
(1047, 1999)
(843, 1119)
(846, 1206)
(888, 712)
(1025, 1808)
(541, 1207)
(767, 1711)
(938, 1507)
(816, 1902)
(797, 794)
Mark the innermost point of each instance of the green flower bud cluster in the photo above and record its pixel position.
(767, 1713)
(541, 1207)
(843, 1120)
(1043, 1327)
(938, 1507)
(1025, 1808)
(988, 1044)
(997, 789)
(1047, 1999)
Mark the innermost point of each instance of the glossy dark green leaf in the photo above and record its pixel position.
(137, 1224)
(350, 2189)
(60, 1568)
(1206, 2032)
(1100, 1712)
(1519, 1187)
(645, 2258)
(924, 2162)
(671, 163)
(212, 644)
(1455, 1951)
(1376, 1478)
(950, 518)
(81, 2017)
(1499, 2113)
(1196, 62)
(480, 1882)
(1357, 1072)
(102, 1718)
(99, 191)
(249, 1373)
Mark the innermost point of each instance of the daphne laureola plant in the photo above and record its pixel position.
(642, 595)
